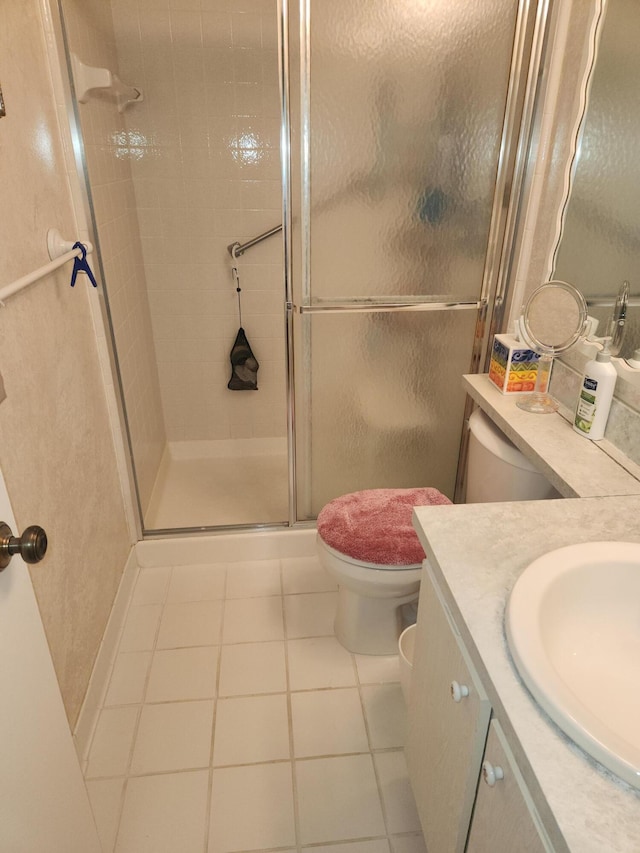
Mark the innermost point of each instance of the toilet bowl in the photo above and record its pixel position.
(366, 542)
(370, 596)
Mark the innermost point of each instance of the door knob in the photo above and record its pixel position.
(32, 545)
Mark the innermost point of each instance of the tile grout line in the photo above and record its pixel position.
(371, 753)
(294, 781)
(136, 727)
(209, 800)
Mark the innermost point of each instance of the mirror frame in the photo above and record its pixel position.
(569, 55)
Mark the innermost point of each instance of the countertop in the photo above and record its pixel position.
(575, 466)
(477, 552)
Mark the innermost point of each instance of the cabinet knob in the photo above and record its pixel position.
(491, 774)
(458, 691)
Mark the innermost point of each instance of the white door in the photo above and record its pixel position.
(43, 801)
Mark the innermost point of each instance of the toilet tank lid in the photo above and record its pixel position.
(496, 442)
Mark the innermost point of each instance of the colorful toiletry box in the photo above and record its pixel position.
(513, 367)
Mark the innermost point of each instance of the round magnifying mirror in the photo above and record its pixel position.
(554, 319)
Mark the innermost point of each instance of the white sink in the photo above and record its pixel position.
(573, 628)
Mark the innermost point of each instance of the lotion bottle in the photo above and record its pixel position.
(596, 394)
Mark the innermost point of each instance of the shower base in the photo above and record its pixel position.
(218, 483)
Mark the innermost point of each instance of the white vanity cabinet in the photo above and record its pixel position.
(448, 720)
(503, 816)
(449, 715)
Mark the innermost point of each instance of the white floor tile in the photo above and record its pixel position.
(310, 614)
(397, 796)
(126, 686)
(377, 845)
(320, 662)
(105, 796)
(178, 674)
(251, 730)
(338, 799)
(305, 574)
(254, 578)
(185, 613)
(328, 722)
(111, 746)
(174, 736)
(251, 808)
(253, 620)
(377, 669)
(408, 844)
(252, 668)
(164, 814)
(140, 628)
(197, 583)
(386, 715)
(194, 623)
(151, 586)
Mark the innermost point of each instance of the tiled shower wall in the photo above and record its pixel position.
(204, 149)
(90, 33)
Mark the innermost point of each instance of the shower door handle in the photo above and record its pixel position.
(32, 545)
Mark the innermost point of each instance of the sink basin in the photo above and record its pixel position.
(573, 628)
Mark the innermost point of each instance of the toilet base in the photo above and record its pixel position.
(369, 626)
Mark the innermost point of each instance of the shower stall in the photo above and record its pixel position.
(348, 165)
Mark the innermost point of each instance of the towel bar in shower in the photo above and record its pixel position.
(236, 249)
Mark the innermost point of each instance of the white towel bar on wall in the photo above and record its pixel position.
(60, 251)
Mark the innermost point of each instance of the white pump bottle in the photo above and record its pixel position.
(596, 394)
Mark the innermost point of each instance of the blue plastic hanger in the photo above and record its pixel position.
(81, 264)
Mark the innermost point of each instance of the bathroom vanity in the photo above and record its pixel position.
(469, 710)
(575, 466)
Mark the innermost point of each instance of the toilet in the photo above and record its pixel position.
(367, 543)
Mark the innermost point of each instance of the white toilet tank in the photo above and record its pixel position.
(497, 470)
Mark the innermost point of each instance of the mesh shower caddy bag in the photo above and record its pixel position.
(244, 365)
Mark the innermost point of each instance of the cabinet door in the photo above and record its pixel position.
(447, 733)
(504, 817)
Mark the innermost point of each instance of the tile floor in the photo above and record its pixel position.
(234, 721)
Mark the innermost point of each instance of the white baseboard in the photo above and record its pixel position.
(99, 681)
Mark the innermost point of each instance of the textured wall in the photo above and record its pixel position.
(56, 447)
(110, 150)
(207, 172)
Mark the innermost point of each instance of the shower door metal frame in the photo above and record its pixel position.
(527, 57)
(530, 34)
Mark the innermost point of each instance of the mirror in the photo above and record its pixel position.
(599, 246)
(554, 319)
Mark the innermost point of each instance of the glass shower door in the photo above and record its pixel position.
(397, 111)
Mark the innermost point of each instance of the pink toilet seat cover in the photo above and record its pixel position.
(375, 525)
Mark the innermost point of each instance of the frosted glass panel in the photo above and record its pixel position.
(385, 402)
(406, 103)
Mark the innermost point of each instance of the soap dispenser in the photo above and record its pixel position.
(596, 394)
